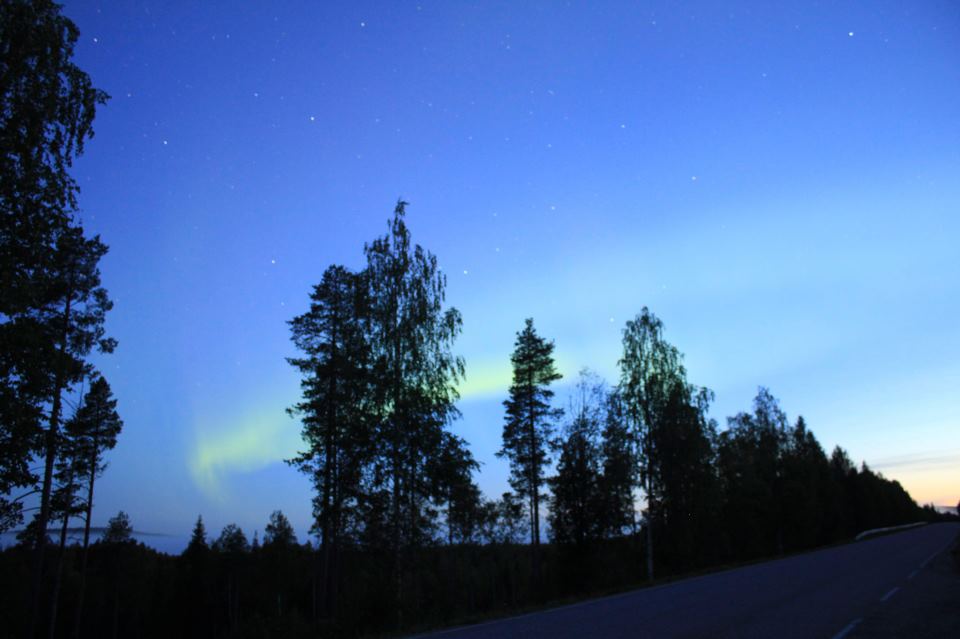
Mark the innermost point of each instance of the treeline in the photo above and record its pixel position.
(232, 585)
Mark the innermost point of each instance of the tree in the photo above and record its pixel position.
(93, 430)
(279, 532)
(119, 529)
(751, 462)
(47, 107)
(51, 303)
(198, 539)
(576, 508)
(529, 425)
(118, 537)
(231, 541)
(686, 508)
(649, 369)
(232, 545)
(336, 410)
(618, 478)
(415, 372)
(504, 520)
(452, 472)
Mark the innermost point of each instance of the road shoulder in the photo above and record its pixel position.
(925, 605)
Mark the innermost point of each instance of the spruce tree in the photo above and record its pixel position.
(529, 425)
(198, 539)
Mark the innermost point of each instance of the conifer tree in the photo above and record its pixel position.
(51, 303)
(529, 425)
(93, 431)
(198, 538)
(337, 410)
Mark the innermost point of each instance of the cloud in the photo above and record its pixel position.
(929, 460)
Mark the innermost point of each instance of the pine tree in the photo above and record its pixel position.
(93, 431)
(336, 410)
(50, 309)
(529, 425)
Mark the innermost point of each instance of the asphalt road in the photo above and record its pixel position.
(830, 593)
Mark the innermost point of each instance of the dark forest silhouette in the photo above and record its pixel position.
(644, 484)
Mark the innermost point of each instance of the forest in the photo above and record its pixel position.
(627, 483)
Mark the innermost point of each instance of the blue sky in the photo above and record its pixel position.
(779, 183)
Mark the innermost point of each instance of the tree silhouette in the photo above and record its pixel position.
(232, 546)
(415, 384)
(336, 410)
(452, 472)
(198, 538)
(93, 430)
(529, 425)
(279, 532)
(649, 370)
(619, 474)
(577, 504)
(51, 303)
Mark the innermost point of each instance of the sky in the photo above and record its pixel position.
(778, 182)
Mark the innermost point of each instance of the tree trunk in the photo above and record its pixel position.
(86, 539)
(54, 600)
(50, 455)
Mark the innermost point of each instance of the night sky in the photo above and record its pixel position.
(780, 185)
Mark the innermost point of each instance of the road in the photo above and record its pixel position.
(829, 593)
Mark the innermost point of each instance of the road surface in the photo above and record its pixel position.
(833, 593)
